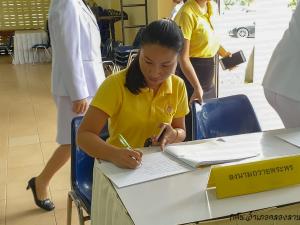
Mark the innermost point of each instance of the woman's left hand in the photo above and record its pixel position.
(168, 135)
(223, 52)
(227, 54)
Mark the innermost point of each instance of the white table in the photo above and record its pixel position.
(23, 42)
(183, 198)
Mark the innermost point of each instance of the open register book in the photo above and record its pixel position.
(212, 152)
(178, 159)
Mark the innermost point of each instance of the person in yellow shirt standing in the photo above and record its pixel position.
(139, 101)
(201, 44)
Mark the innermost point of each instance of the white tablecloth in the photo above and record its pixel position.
(23, 42)
(151, 202)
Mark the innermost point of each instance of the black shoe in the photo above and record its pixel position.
(46, 204)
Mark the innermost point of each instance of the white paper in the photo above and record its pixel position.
(292, 138)
(213, 152)
(154, 166)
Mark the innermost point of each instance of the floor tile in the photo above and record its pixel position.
(18, 189)
(22, 206)
(61, 217)
(48, 149)
(3, 152)
(27, 155)
(22, 131)
(47, 133)
(23, 110)
(31, 217)
(45, 112)
(23, 174)
(59, 197)
(2, 211)
(61, 180)
(24, 140)
(4, 140)
(3, 171)
(2, 192)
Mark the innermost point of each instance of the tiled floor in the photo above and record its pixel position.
(27, 140)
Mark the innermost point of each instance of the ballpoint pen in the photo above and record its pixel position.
(124, 142)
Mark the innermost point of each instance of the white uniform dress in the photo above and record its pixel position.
(282, 79)
(175, 10)
(77, 70)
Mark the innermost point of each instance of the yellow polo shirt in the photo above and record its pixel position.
(137, 117)
(197, 28)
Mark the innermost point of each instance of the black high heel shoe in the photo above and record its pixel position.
(46, 204)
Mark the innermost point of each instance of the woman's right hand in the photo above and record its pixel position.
(80, 106)
(197, 96)
(125, 158)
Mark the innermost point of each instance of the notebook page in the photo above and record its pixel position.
(292, 138)
(213, 152)
(155, 165)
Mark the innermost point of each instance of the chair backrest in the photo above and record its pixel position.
(8, 44)
(133, 54)
(48, 33)
(226, 116)
(82, 166)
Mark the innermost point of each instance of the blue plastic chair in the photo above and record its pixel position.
(122, 53)
(8, 47)
(226, 116)
(43, 46)
(81, 176)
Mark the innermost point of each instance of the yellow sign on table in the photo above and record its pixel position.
(252, 177)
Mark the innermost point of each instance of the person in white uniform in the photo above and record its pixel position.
(77, 73)
(177, 7)
(282, 78)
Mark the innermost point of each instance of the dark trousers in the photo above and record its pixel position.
(204, 68)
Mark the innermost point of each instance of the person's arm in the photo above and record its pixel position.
(67, 35)
(178, 125)
(64, 30)
(174, 132)
(223, 52)
(80, 106)
(88, 139)
(189, 72)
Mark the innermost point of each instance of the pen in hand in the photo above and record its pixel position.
(127, 145)
(124, 142)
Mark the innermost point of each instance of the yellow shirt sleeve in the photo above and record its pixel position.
(186, 24)
(182, 106)
(109, 96)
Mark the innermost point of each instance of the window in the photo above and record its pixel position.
(249, 24)
(23, 14)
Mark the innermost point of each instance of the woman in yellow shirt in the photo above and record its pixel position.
(201, 44)
(140, 100)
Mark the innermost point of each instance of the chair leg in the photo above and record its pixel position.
(80, 214)
(48, 53)
(69, 209)
(34, 54)
(10, 52)
(81, 217)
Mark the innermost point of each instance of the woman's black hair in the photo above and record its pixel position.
(163, 32)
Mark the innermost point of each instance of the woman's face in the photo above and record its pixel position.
(157, 64)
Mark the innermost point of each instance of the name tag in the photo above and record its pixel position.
(252, 177)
